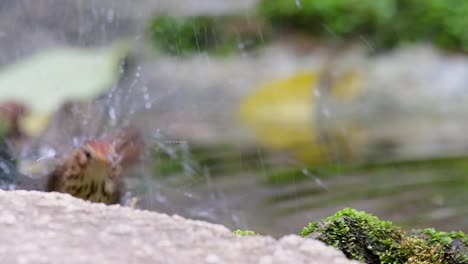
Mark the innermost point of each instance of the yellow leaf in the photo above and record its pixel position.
(282, 113)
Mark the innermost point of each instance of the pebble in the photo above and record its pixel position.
(212, 259)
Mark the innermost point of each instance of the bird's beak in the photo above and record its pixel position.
(101, 156)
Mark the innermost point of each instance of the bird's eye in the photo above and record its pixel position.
(87, 154)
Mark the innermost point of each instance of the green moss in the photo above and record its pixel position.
(366, 238)
(449, 246)
(384, 23)
(216, 35)
(359, 235)
(241, 232)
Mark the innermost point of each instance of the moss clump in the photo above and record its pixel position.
(447, 247)
(217, 35)
(241, 232)
(359, 235)
(385, 23)
(366, 238)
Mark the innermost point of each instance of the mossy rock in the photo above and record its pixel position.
(364, 237)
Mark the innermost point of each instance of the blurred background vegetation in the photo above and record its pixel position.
(385, 24)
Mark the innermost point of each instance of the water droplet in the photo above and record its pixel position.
(326, 112)
(187, 194)
(112, 114)
(110, 15)
(317, 93)
(4, 167)
(320, 183)
(160, 198)
(51, 153)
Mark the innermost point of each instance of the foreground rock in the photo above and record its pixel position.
(53, 228)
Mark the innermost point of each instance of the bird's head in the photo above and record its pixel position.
(99, 152)
(99, 162)
(91, 173)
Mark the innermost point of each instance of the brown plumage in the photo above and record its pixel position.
(90, 173)
(93, 172)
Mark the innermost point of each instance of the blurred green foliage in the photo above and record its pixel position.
(4, 128)
(385, 23)
(294, 174)
(366, 238)
(188, 35)
(341, 17)
(181, 36)
(218, 159)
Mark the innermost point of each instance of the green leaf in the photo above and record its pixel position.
(45, 80)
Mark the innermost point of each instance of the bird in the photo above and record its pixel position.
(93, 172)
